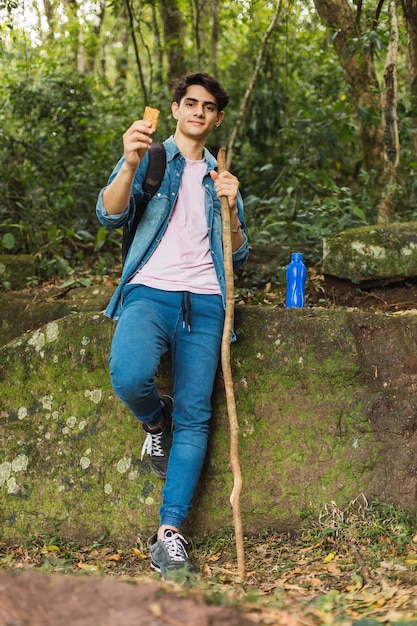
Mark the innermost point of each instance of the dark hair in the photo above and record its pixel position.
(205, 80)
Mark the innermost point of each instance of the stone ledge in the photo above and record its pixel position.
(326, 401)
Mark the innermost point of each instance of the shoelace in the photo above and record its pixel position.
(186, 310)
(152, 445)
(175, 546)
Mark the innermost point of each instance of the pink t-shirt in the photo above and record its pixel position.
(182, 260)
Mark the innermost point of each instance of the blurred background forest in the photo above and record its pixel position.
(321, 128)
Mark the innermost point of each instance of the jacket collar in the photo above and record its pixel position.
(172, 151)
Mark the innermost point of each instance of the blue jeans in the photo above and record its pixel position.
(152, 322)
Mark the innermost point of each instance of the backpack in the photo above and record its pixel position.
(153, 178)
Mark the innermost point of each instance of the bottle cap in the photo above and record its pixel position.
(296, 256)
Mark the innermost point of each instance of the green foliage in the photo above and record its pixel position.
(57, 147)
(298, 154)
(288, 219)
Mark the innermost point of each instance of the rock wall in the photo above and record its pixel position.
(326, 402)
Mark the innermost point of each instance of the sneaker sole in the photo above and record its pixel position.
(156, 568)
(186, 573)
(157, 473)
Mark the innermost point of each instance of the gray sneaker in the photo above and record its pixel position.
(169, 556)
(158, 442)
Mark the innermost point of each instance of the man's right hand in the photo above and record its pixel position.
(136, 142)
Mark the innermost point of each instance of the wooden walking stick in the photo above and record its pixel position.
(227, 373)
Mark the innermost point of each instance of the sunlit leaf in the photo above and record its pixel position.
(87, 567)
(139, 554)
(330, 557)
(8, 241)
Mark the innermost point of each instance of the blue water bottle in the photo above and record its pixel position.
(296, 278)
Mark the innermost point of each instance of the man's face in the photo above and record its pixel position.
(197, 113)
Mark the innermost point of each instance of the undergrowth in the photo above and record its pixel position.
(343, 565)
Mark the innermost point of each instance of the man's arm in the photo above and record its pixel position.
(136, 142)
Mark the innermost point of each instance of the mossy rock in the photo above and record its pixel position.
(29, 309)
(326, 402)
(385, 252)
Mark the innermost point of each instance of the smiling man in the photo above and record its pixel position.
(172, 296)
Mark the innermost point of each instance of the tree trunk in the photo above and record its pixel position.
(159, 73)
(71, 7)
(122, 62)
(389, 122)
(92, 48)
(199, 28)
(360, 73)
(215, 30)
(49, 9)
(174, 35)
(410, 14)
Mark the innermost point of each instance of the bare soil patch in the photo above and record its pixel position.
(390, 298)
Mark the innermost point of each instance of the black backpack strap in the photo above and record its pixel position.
(153, 178)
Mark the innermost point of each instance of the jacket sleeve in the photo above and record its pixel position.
(240, 255)
(118, 220)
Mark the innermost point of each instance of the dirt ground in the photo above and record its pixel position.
(336, 293)
(38, 599)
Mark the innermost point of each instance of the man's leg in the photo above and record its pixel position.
(195, 356)
(141, 337)
(139, 340)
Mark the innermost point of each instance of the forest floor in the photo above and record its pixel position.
(336, 293)
(356, 566)
(330, 292)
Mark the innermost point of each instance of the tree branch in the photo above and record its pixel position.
(227, 374)
(358, 11)
(377, 14)
(135, 46)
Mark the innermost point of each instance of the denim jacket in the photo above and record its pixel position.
(155, 220)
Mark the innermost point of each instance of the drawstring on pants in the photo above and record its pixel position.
(186, 310)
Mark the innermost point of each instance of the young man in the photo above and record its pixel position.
(172, 297)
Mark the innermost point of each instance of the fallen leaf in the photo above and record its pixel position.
(309, 548)
(330, 557)
(140, 554)
(207, 570)
(112, 557)
(333, 568)
(155, 609)
(87, 567)
(393, 566)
